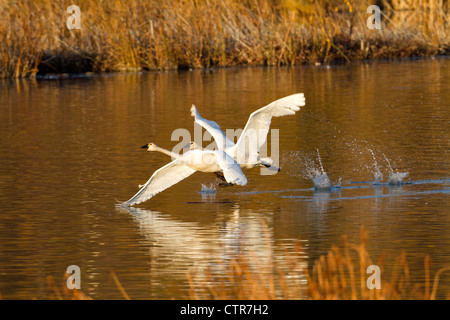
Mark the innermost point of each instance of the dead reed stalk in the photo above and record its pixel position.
(339, 274)
(171, 34)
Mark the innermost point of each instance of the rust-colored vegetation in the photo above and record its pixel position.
(127, 35)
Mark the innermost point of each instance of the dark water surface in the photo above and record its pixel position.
(69, 149)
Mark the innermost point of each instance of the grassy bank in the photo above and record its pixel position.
(171, 34)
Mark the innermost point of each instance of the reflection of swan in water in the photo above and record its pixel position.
(254, 135)
(183, 166)
(191, 240)
(177, 247)
(169, 237)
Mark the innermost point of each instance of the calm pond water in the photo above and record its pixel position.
(69, 150)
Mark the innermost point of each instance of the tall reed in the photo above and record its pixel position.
(338, 274)
(127, 35)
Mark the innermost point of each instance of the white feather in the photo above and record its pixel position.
(162, 179)
(254, 135)
(231, 169)
(186, 164)
(258, 124)
(257, 128)
(213, 128)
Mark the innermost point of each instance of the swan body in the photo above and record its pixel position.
(185, 165)
(254, 135)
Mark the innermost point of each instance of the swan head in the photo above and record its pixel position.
(193, 146)
(150, 146)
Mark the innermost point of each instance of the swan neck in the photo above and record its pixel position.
(169, 153)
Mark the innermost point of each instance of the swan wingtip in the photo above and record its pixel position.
(121, 204)
(194, 111)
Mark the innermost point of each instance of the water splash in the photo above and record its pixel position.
(389, 163)
(338, 184)
(292, 163)
(377, 175)
(319, 176)
(309, 167)
(322, 182)
(395, 178)
(208, 190)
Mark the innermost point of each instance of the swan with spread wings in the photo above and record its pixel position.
(254, 135)
(185, 165)
(226, 162)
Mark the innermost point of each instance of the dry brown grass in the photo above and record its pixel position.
(339, 274)
(61, 292)
(126, 35)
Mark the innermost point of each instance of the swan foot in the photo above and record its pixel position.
(269, 166)
(272, 167)
(227, 184)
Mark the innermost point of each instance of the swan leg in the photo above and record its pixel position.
(265, 162)
(269, 166)
(220, 176)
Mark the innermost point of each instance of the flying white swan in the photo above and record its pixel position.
(254, 135)
(183, 166)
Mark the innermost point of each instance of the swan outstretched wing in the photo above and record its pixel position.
(214, 129)
(255, 132)
(231, 169)
(163, 178)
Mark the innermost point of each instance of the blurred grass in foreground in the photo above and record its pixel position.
(136, 35)
(338, 275)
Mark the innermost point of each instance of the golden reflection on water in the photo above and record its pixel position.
(70, 149)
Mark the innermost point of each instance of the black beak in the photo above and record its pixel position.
(145, 147)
